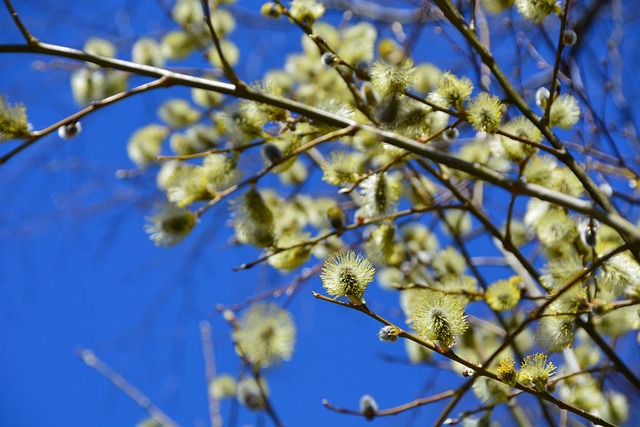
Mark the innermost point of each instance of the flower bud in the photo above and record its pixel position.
(272, 153)
(336, 217)
(569, 37)
(542, 97)
(328, 59)
(70, 130)
(249, 394)
(388, 334)
(368, 406)
(271, 10)
(450, 134)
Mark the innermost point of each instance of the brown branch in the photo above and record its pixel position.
(37, 135)
(253, 179)
(478, 369)
(226, 67)
(621, 225)
(392, 411)
(563, 155)
(29, 38)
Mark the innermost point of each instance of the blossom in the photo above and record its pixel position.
(453, 91)
(266, 334)
(507, 371)
(555, 333)
(390, 79)
(169, 225)
(536, 371)
(485, 112)
(380, 193)
(347, 274)
(503, 294)
(535, 10)
(13, 121)
(439, 317)
(253, 220)
(565, 112)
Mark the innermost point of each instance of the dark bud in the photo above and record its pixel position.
(272, 153)
(362, 68)
(328, 59)
(271, 10)
(569, 37)
(70, 130)
(388, 111)
(368, 406)
(336, 217)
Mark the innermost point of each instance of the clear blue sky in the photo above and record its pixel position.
(77, 269)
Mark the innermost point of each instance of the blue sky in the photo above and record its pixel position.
(78, 271)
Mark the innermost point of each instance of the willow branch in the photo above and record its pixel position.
(613, 219)
(478, 369)
(458, 21)
(226, 67)
(91, 360)
(395, 410)
(37, 135)
(210, 372)
(30, 39)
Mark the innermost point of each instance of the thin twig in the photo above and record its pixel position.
(226, 67)
(256, 177)
(30, 39)
(91, 360)
(37, 135)
(210, 372)
(630, 232)
(477, 368)
(395, 410)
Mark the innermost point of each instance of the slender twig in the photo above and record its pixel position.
(395, 410)
(210, 372)
(226, 67)
(238, 149)
(560, 290)
(611, 353)
(30, 39)
(458, 21)
(356, 225)
(526, 141)
(626, 229)
(477, 368)
(255, 370)
(556, 65)
(37, 135)
(91, 360)
(256, 177)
